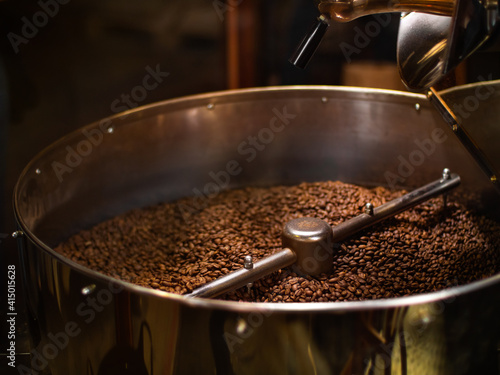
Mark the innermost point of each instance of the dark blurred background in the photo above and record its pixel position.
(65, 69)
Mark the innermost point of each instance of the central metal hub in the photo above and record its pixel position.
(308, 242)
(311, 239)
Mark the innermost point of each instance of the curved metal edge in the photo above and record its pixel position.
(205, 99)
(331, 307)
(210, 98)
(455, 89)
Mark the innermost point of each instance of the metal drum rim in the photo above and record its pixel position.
(317, 307)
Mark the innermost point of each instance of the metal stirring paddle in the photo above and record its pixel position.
(308, 243)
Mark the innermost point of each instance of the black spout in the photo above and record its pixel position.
(310, 43)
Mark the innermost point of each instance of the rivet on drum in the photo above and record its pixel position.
(241, 326)
(89, 289)
(17, 234)
(324, 99)
(38, 171)
(110, 130)
(417, 107)
(211, 106)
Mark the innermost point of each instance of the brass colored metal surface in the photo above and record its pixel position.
(344, 11)
(432, 45)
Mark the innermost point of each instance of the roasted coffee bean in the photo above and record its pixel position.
(177, 248)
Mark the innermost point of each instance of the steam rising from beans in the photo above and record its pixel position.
(427, 248)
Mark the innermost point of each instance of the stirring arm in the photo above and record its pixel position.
(303, 237)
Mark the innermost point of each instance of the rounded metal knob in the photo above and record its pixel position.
(311, 239)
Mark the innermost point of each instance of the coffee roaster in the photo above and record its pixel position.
(84, 322)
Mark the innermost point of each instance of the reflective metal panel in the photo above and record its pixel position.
(86, 323)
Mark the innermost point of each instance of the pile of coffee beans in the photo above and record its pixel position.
(176, 248)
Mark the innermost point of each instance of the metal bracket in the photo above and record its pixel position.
(463, 136)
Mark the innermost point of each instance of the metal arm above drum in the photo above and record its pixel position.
(434, 35)
(308, 243)
(433, 38)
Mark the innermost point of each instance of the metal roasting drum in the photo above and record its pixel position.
(83, 322)
(163, 151)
